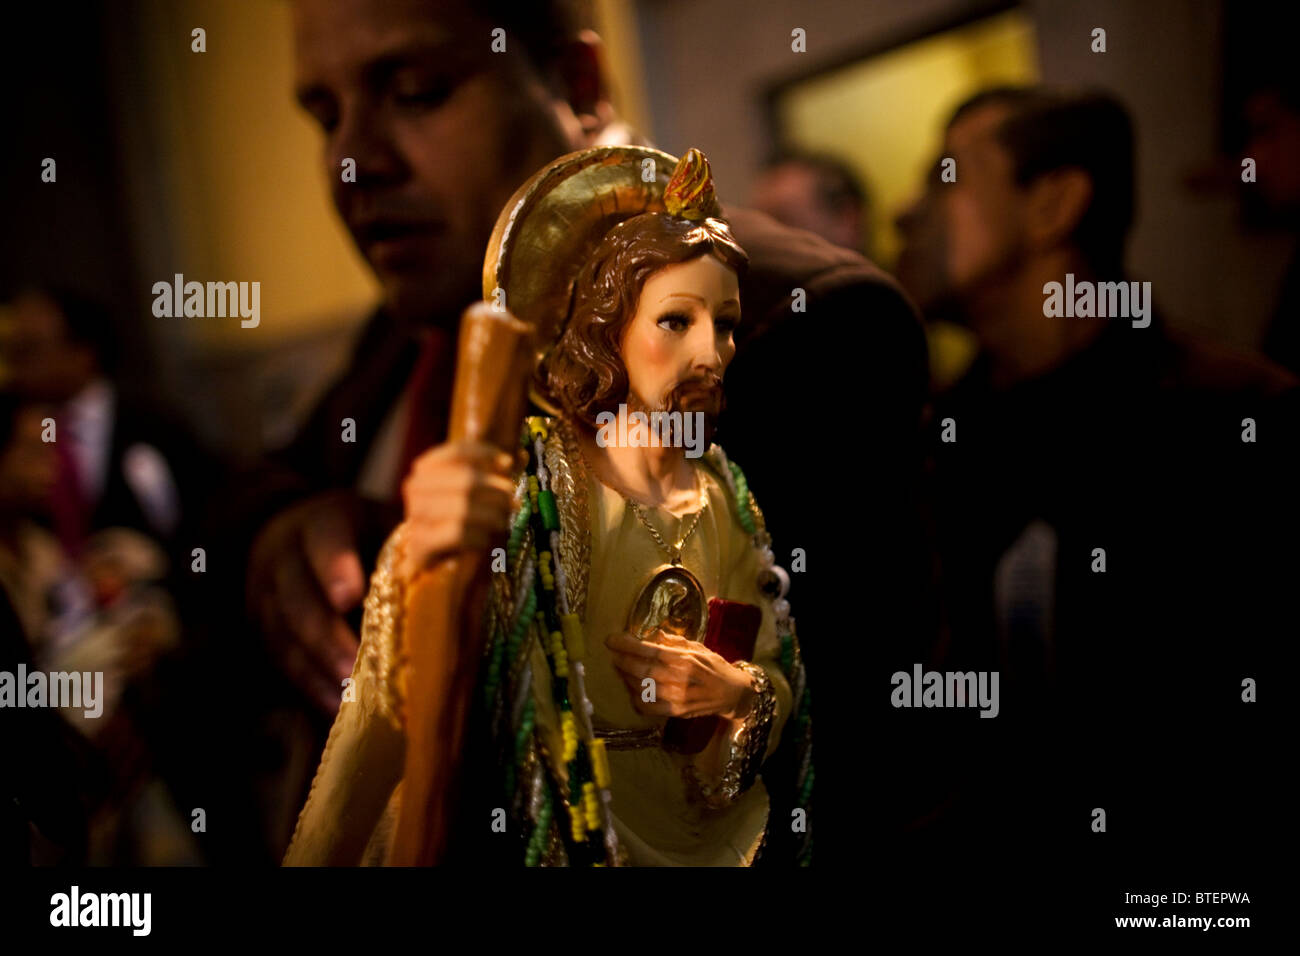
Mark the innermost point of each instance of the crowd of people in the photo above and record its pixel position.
(1089, 508)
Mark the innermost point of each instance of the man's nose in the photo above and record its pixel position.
(907, 217)
(363, 137)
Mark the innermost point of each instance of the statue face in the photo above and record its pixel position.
(679, 343)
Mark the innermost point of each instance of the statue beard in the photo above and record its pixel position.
(702, 393)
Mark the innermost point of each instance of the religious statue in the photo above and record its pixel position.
(630, 662)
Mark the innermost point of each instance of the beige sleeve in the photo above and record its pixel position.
(363, 758)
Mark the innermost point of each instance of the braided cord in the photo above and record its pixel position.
(541, 613)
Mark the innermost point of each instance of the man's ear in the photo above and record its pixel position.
(586, 84)
(1057, 202)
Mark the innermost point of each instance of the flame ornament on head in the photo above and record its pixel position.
(689, 193)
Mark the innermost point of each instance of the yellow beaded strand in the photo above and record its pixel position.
(569, 733)
(591, 804)
(599, 762)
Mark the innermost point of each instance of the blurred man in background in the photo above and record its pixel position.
(818, 193)
(92, 566)
(120, 464)
(89, 791)
(1106, 491)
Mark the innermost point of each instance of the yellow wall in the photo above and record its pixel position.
(239, 170)
(615, 22)
(885, 116)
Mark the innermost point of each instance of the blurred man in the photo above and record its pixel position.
(442, 130)
(1106, 491)
(120, 464)
(96, 595)
(817, 193)
(86, 792)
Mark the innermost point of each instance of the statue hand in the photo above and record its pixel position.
(689, 679)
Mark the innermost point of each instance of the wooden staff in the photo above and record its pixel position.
(444, 603)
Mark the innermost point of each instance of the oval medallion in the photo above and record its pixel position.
(672, 601)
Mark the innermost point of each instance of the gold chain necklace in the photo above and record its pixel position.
(674, 552)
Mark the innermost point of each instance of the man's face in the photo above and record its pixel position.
(442, 131)
(44, 363)
(679, 343)
(788, 193)
(961, 237)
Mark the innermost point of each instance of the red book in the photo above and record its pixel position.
(733, 629)
(732, 632)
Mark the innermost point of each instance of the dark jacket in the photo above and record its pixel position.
(1135, 447)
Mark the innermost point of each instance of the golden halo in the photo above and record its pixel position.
(554, 222)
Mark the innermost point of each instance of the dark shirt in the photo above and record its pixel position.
(1133, 679)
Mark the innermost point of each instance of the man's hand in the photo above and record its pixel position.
(458, 495)
(690, 680)
(304, 575)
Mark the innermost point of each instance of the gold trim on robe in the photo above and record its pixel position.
(659, 820)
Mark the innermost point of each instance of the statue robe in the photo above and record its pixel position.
(351, 809)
